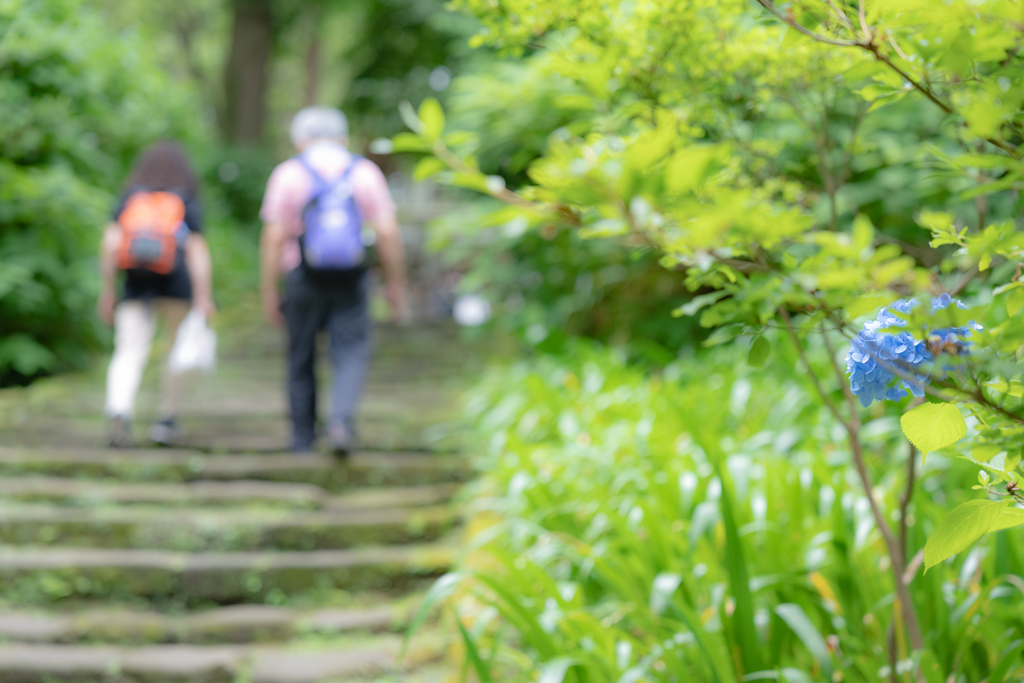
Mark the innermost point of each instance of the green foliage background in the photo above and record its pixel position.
(78, 106)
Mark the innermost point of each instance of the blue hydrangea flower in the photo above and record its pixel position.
(869, 380)
(873, 349)
(950, 339)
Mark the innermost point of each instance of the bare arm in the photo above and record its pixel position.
(108, 272)
(200, 271)
(272, 241)
(391, 252)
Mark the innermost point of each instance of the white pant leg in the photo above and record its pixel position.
(134, 326)
(172, 385)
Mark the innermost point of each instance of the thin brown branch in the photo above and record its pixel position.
(871, 47)
(907, 609)
(964, 281)
(793, 23)
(506, 195)
(868, 43)
(784, 314)
(840, 15)
(896, 368)
(908, 495)
(896, 46)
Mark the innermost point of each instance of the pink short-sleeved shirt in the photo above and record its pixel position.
(290, 185)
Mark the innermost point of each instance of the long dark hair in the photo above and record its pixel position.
(163, 167)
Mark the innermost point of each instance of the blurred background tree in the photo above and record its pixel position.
(77, 108)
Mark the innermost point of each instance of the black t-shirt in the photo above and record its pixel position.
(145, 284)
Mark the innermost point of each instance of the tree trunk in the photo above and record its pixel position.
(313, 59)
(245, 77)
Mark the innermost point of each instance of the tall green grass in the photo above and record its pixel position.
(705, 524)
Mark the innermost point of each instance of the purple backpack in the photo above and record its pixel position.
(333, 239)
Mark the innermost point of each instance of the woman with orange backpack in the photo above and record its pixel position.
(156, 240)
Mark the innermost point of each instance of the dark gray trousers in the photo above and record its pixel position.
(338, 305)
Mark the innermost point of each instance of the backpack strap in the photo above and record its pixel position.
(317, 178)
(321, 185)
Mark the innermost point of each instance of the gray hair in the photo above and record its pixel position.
(318, 123)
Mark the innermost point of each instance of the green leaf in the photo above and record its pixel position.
(1014, 387)
(1000, 673)
(863, 232)
(985, 452)
(409, 142)
(662, 590)
(966, 524)
(24, 354)
(471, 181)
(867, 304)
(699, 302)
(409, 117)
(1014, 301)
(427, 167)
(473, 654)
(438, 593)
(432, 117)
(575, 101)
(796, 618)
(758, 353)
(555, 670)
(932, 426)
(744, 631)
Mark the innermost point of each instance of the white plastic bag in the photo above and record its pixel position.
(195, 347)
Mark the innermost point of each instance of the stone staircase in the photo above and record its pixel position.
(227, 559)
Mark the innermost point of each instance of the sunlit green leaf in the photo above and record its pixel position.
(555, 670)
(432, 116)
(966, 524)
(1012, 388)
(1014, 301)
(758, 353)
(931, 426)
(427, 167)
(804, 628)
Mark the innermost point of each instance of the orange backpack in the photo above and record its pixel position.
(150, 223)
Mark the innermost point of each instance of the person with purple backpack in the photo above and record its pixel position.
(314, 211)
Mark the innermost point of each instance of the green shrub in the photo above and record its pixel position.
(79, 103)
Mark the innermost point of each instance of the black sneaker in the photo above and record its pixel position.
(120, 434)
(165, 432)
(342, 440)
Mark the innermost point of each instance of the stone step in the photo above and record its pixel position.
(196, 529)
(43, 575)
(24, 663)
(389, 436)
(87, 492)
(400, 426)
(98, 492)
(367, 468)
(232, 624)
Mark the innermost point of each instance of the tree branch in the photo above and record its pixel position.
(793, 23)
(784, 314)
(867, 42)
(907, 609)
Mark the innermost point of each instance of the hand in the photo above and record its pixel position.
(105, 306)
(272, 309)
(399, 303)
(206, 306)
